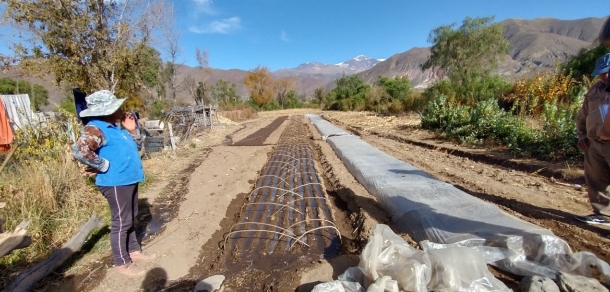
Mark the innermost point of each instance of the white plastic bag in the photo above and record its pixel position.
(352, 280)
(383, 284)
(531, 255)
(387, 254)
(334, 286)
(461, 269)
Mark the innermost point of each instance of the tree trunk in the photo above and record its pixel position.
(28, 278)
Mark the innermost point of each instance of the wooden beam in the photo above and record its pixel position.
(17, 239)
(28, 278)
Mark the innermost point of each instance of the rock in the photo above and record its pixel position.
(537, 284)
(210, 284)
(575, 283)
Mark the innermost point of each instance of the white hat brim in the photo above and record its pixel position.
(102, 111)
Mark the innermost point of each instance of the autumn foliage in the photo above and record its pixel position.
(260, 83)
(529, 95)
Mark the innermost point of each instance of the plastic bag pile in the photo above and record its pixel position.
(389, 263)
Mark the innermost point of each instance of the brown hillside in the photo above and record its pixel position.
(535, 45)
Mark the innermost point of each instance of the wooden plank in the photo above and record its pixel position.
(171, 136)
(14, 240)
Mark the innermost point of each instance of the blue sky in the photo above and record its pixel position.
(243, 34)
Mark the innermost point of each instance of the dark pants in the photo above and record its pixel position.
(597, 176)
(123, 201)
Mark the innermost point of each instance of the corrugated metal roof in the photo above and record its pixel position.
(18, 109)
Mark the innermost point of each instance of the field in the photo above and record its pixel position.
(197, 214)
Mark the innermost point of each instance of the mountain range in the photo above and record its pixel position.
(535, 45)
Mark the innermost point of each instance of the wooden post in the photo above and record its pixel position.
(171, 136)
(8, 156)
(210, 116)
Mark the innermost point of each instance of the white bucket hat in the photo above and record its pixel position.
(101, 103)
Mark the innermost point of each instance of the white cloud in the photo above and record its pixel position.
(224, 26)
(204, 6)
(284, 37)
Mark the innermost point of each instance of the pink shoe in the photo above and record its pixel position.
(139, 256)
(130, 270)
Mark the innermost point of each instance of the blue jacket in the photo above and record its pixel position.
(121, 152)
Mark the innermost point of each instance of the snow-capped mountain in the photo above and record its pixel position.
(351, 66)
(360, 63)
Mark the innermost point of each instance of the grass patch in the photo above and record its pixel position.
(44, 185)
(238, 113)
(149, 179)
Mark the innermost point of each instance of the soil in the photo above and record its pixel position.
(200, 196)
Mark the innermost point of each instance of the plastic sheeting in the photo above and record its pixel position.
(421, 205)
(18, 109)
(542, 255)
(326, 128)
(442, 216)
(388, 263)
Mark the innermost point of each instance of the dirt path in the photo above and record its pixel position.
(204, 197)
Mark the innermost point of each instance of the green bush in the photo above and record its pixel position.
(271, 106)
(158, 107)
(486, 121)
(415, 102)
(477, 89)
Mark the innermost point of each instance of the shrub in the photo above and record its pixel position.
(529, 95)
(158, 107)
(477, 89)
(486, 121)
(481, 88)
(271, 106)
(415, 102)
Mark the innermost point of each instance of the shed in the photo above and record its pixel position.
(18, 109)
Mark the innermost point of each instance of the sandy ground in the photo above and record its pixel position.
(206, 182)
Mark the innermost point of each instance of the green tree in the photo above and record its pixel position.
(350, 94)
(282, 87)
(350, 86)
(293, 100)
(67, 105)
(398, 88)
(469, 52)
(224, 93)
(583, 63)
(90, 44)
(202, 94)
(39, 95)
(151, 69)
(319, 95)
